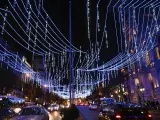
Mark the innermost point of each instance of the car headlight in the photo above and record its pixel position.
(17, 110)
(67, 106)
(62, 106)
(56, 108)
(100, 114)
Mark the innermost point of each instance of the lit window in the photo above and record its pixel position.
(123, 89)
(134, 32)
(155, 82)
(150, 77)
(147, 59)
(157, 52)
(136, 81)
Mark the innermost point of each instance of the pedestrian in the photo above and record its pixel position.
(71, 113)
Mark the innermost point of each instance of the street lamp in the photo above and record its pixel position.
(142, 90)
(116, 92)
(27, 75)
(45, 85)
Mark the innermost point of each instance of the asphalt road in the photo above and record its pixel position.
(88, 114)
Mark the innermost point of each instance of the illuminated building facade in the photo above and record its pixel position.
(144, 78)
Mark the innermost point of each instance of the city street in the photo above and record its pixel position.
(80, 59)
(88, 114)
(93, 114)
(54, 116)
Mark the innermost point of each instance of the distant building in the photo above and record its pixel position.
(144, 78)
(17, 93)
(38, 65)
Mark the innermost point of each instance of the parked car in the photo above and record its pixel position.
(6, 113)
(32, 113)
(105, 101)
(93, 106)
(122, 111)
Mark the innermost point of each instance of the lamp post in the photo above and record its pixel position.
(71, 92)
(45, 91)
(27, 75)
(142, 91)
(126, 75)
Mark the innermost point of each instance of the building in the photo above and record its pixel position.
(39, 66)
(141, 79)
(144, 78)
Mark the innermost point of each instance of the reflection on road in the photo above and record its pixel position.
(54, 116)
(88, 114)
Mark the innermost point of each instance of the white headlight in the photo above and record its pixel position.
(100, 113)
(17, 110)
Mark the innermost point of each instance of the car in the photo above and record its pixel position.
(53, 107)
(105, 101)
(123, 111)
(32, 113)
(6, 113)
(93, 106)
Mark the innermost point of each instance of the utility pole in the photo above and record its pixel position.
(71, 52)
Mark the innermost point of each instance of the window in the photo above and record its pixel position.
(150, 78)
(136, 81)
(157, 53)
(147, 58)
(154, 81)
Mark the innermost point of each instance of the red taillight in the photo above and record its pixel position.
(149, 115)
(118, 116)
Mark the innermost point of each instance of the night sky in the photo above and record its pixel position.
(58, 10)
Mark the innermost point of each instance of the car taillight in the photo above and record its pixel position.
(118, 116)
(149, 115)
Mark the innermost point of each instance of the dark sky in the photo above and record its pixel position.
(58, 10)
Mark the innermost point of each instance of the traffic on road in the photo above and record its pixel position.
(12, 108)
